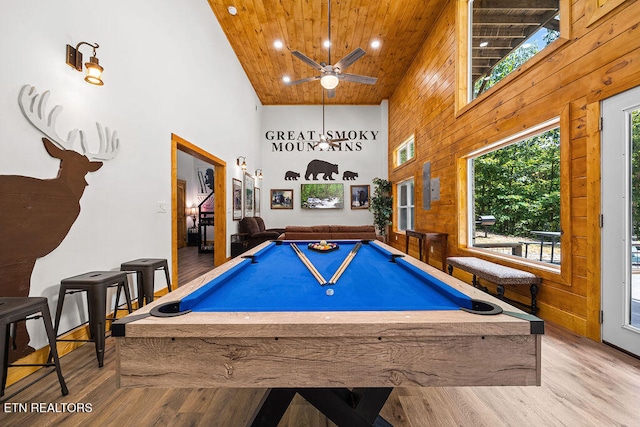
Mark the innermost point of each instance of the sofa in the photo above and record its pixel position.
(329, 232)
(256, 232)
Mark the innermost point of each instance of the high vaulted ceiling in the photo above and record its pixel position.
(401, 26)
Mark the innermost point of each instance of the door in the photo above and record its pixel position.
(181, 215)
(621, 221)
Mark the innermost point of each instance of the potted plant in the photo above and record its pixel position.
(381, 204)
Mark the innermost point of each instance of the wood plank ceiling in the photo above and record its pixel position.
(401, 26)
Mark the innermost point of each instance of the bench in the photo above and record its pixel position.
(498, 274)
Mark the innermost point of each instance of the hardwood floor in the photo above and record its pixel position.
(192, 264)
(584, 383)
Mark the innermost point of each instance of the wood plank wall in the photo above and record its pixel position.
(599, 59)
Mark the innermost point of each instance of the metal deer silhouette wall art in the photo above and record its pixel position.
(36, 214)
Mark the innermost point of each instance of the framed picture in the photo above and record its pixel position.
(256, 201)
(237, 199)
(248, 194)
(281, 199)
(322, 196)
(359, 197)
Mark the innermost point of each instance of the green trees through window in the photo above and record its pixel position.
(519, 184)
(528, 49)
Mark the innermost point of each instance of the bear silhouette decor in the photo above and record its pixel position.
(317, 167)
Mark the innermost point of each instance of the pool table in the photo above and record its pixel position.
(264, 321)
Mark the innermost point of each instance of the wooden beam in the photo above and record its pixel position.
(517, 4)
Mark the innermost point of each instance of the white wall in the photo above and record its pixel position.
(369, 162)
(168, 69)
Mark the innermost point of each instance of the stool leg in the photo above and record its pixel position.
(97, 302)
(166, 275)
(148, 279)
(127, 294)
(4, 355)
(56, 325)
(140, 285)
(46, 318)
(61, 295)
(122, 286)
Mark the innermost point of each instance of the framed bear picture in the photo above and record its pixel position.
(359, 197)
(281, 199)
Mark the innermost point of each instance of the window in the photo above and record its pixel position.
(404, 202)
(503, 36)
(497, 37)
(404, 152)
(514, 196)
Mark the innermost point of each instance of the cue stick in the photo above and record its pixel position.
(345, 263)
(309, 265)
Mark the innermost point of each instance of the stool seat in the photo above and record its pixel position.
(95, 284)
(14, 309)
(145, 269)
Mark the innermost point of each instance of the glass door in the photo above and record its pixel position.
(621, 221)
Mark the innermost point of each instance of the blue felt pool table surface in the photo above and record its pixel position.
(277, 280)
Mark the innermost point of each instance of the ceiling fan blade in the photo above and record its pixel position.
(358, 79)
(331, 93)
(339, 139)
(349, 59)
(297, 82)
(304, 58)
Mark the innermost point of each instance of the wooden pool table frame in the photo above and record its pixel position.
(382, 349)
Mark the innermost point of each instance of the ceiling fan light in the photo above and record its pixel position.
(323, 145)
(329, 81)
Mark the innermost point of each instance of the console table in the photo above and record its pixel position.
(425, 239)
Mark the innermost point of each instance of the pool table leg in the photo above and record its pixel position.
(273, 407)
(356, 408)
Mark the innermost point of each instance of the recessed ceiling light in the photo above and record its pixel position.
(326, 43)
(375, 44)
(484, 44)
(277, 44)
(232, 10)
(286, 79)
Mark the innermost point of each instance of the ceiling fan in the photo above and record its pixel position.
(330, 75)
(325, 142)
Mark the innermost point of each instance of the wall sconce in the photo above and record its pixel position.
(243, 165)
(94, 70)
(259, 173)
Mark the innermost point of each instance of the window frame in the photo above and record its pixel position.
(560, 273)
(464, 25)
(597, 9)
(409, 141)
(396, 211)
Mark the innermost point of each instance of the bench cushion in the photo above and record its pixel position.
(494, 273)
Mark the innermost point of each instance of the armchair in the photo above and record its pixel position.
(256, 231)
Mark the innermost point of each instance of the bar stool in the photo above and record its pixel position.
(145, 269)
(95, 284)
(14, 309)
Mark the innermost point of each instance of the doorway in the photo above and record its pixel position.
(621, 221)
(219, 219)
